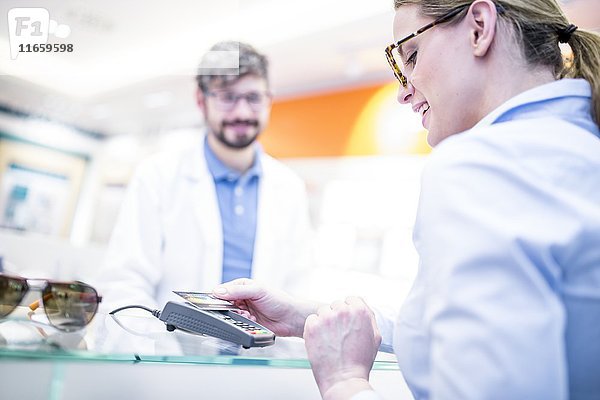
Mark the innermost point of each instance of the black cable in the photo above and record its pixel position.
(156, 313)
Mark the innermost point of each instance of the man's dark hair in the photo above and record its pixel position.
(214, 68)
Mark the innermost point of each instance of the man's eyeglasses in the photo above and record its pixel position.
(69, 306)
(226, 101)
(389, 53)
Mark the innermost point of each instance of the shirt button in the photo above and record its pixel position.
(239, 210)
(238, 191)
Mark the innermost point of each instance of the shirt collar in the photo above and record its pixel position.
(553, 90)
(221, 172)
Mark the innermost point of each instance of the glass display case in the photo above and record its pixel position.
(132, 355)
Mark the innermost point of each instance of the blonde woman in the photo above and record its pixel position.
(507, 301)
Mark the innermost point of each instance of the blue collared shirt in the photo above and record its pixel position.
(238, 201)
(506, 304)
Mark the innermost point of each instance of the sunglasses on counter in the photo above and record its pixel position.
(69, 306)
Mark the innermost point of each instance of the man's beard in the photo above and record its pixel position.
(239, 142)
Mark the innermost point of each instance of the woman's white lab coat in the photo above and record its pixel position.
(168, 235)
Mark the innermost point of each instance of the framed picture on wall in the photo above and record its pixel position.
(39, 187)
(33, 200)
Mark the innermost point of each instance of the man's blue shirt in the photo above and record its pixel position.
(238, 200)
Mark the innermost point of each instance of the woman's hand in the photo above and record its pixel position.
(342, 341)
(274, 309)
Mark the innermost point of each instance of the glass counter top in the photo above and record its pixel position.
(135, 336)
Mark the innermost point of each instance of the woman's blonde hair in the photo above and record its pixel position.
(539, 25)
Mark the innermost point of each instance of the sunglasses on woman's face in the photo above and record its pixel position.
(69, 306)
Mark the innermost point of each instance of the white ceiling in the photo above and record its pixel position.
(133, 64)
(131, 71)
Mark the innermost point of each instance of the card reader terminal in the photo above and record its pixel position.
(222, 324)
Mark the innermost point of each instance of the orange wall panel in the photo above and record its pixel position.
(316, 126)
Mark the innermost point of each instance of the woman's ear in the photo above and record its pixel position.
(482, 17)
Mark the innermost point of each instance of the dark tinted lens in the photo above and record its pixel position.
(70, 306)
(12, 291)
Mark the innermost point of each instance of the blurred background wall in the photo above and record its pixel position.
(73, 126)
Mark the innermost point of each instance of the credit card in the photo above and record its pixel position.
(206, 301)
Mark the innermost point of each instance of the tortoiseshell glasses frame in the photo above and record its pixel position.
(389, 50)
